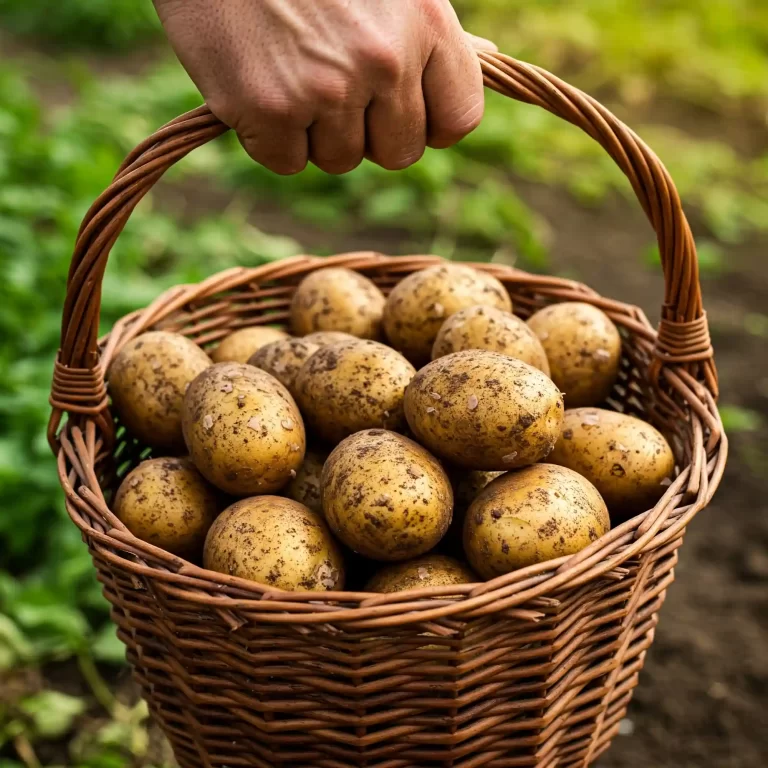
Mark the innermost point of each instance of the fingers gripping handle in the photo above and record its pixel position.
(683, 340)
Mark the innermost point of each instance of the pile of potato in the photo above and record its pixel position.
(468, 445)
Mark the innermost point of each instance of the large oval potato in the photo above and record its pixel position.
(583, 347)
(532, 515)
(353, 385)
(419, 304)
(241, 344)
(147, 381)
(626, 459)
(243, 429)
(305, 487)
(484, 410)
(275, 541)
(427, 571)
(337, 299)
(481, 327)
(283, 359)
(167, 503)
(385, 496)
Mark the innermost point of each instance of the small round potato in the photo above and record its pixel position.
(385, 497)
(420, 304)
(243, 429)
(324, 338)
(305, 487)
(490, 328)
(427, 571)
(583, 347)
(167, 503)
(626, 459)
(353, 385)
(283, 359)
(337, 299)
(275, 541)
(147, 381)
(483, 410)
(526, 517)
(241, 344)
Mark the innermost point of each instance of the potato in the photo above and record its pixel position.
(241, 344)
(467, 484)
(427, 571)
(481, 327)
(483, 410)
(167, 503)
(283, 359)
(626, 459)
(277, 542)
(337, 299)
(385, 497)
(323, 338)
(305, 487)
(147, 381)
(532, 515)
(583, 347)
(243, 429)
(353, 385)
(420, 304)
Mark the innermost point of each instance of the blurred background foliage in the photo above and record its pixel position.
(83, 81)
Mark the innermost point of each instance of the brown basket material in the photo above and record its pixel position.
(534, 668)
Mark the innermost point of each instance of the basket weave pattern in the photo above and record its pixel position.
(534, 668)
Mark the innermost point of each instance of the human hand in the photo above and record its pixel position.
(334, 81)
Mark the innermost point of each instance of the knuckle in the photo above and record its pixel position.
(435, 16)
(385, 59)
(330, 90)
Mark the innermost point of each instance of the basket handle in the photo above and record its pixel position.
(683, 335)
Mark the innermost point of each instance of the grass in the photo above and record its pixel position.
(462, 202)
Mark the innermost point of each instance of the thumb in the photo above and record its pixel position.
(480, 43)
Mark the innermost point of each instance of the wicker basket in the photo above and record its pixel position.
(534, 668)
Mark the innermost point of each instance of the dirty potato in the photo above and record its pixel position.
(427, 571)
(481, 327)
(323, 338)
(353, 385)
(305, 487)
(626, 459)
(241, 344)
(532, 515)
(147, 380)
(420, 304)
(385, 496)
(243, 429)
(337, 299)
(277, 542)
(283, 359)
(483, 410)
(166, 502)
(583, 347)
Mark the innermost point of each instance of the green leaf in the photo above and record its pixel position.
(106, 646)
(52, 713)
(738, 419)
(15, 649)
